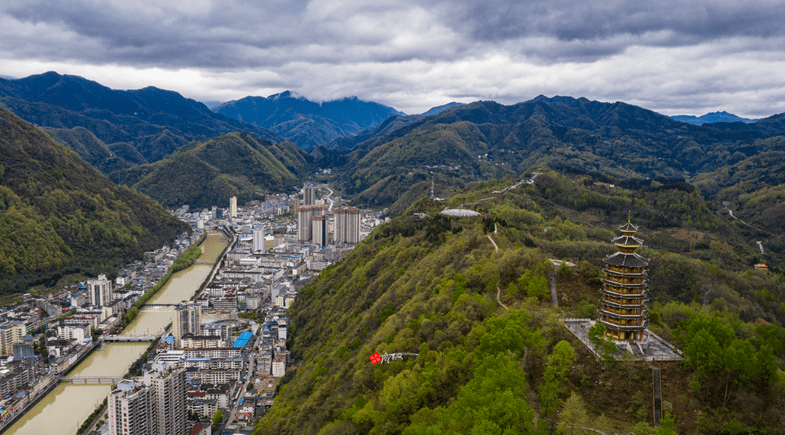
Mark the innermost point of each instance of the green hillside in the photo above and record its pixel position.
(435, 287)
(58, 215)
(203, 174)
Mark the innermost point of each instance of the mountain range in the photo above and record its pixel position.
(486, 139)
(151, 121)
(394, 160)
(306, 123)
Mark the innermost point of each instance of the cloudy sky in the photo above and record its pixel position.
(674, 57)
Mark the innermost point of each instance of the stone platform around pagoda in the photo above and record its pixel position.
(654, 348)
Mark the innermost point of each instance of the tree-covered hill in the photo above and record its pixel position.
(491, 353)
(59, 215)
(306, 123)
(203, 174)
(154, 121)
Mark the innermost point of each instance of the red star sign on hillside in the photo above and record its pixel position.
(375, 358)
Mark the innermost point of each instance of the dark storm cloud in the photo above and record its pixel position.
(235, 33)
(211, 35)
(570, 20)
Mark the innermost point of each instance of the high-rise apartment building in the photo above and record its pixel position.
(233, 207)
(305, 221)
(258, 240)
(10, 333)
(319, 225)
(155, 406)
(347, 225)
(309, 194)
(130, 409)
(169, 405)
(187, 319)
(99, 290)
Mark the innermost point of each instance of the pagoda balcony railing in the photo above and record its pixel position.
(619, 294)
(615, 294)
(641, 304)
(625, 284)
(630, 274)
(624, 316)
(617, 268)
(611, 325)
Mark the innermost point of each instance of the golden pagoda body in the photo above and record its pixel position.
(623, 310)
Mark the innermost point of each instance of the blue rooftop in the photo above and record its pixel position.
(242, 340)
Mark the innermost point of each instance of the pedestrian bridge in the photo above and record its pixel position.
(92, 379)
(130, 338)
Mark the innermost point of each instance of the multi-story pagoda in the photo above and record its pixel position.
(623, 310)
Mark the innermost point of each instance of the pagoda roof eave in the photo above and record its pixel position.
(626, 259)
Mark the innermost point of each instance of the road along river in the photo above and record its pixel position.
(63, 410)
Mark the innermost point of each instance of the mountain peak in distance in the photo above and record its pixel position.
(443, 107)
(711, 118)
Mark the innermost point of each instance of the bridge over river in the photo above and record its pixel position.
(92, 379)
(131, 338)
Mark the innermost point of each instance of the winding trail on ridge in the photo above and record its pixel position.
(498, 289)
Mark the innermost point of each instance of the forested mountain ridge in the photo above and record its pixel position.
(152, 120)
(306, 123)
(234, 164)
(486, 139)
(59, 215)
(488, 352)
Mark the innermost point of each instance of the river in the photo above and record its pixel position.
(63, 410)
